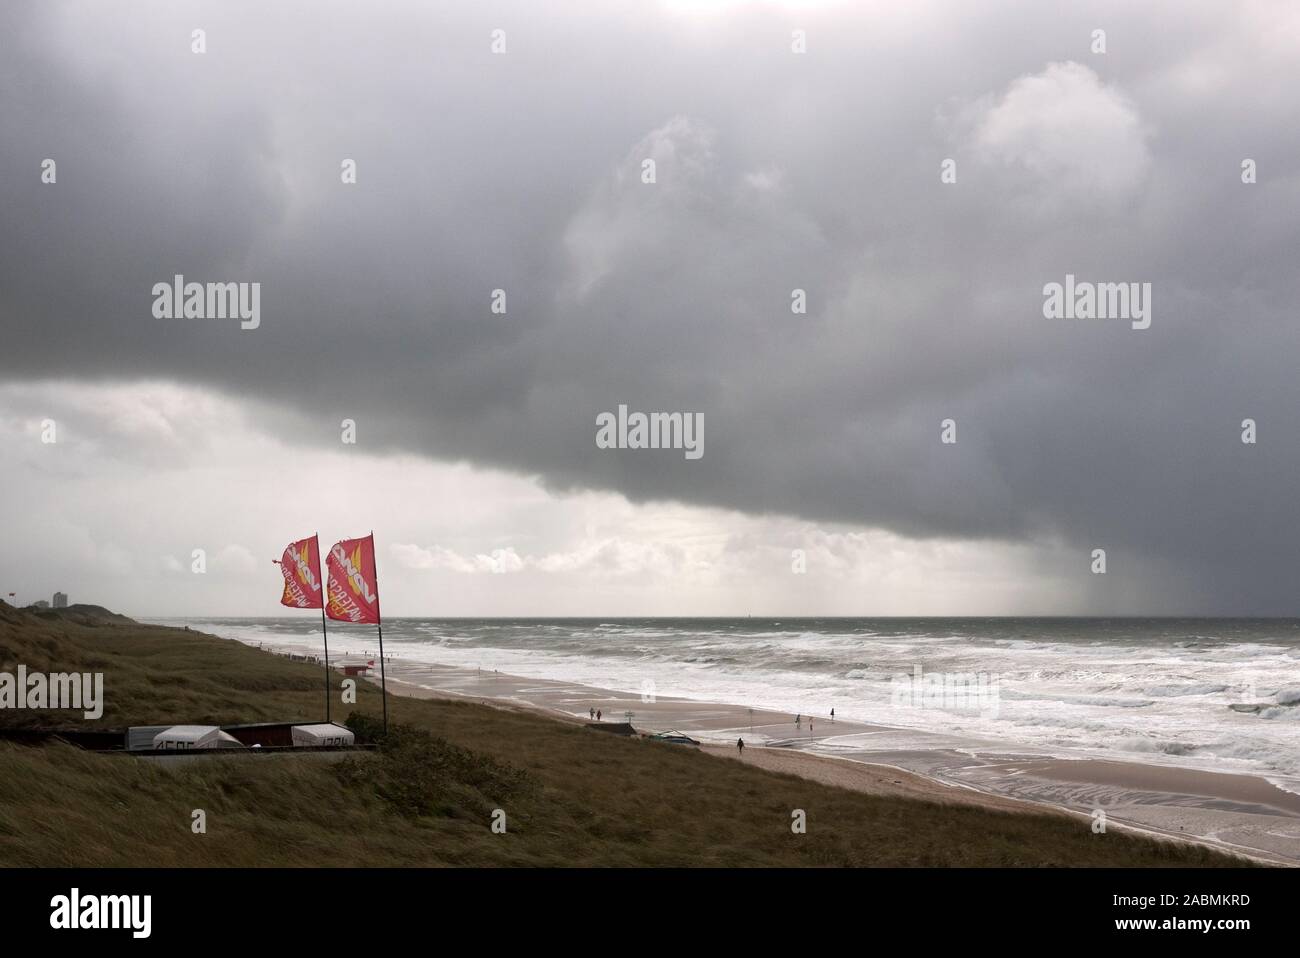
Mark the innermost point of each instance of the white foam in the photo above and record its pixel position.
(1148, 698)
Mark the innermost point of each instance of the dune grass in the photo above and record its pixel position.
(570, 796)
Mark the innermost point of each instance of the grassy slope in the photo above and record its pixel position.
(572, 796)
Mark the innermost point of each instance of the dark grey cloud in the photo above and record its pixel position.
(775, 171)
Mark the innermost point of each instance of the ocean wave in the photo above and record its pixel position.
(1079, 688)
(1170, 691)
(1139, 744)
(1279, 712)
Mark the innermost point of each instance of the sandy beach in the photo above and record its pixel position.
(1242, 813)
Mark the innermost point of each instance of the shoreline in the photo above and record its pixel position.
(855, 774)
(1240, 814)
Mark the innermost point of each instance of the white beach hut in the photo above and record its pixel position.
(194, 736)
(324, 734)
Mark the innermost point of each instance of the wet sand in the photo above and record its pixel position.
(1241, 813)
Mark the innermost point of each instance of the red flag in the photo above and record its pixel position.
(300, 566)
(353, 589)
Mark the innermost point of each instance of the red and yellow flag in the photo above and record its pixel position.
(353, 589)
(300, 566)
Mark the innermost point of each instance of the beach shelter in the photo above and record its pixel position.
(326, 733)
(194, 736)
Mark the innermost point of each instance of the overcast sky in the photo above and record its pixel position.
(475, 459)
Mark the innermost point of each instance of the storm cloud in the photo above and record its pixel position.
(774, 171)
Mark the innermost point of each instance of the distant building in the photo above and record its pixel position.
(60, 600)
(40, 604)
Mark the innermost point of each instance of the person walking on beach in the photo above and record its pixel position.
(597, 715)
(591, 713)
(798, 721)
(740, 746)
(832, 716)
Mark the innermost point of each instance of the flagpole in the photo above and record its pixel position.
(324, 633)
(379, 625)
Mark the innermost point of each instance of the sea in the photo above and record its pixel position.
(1214, 694)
